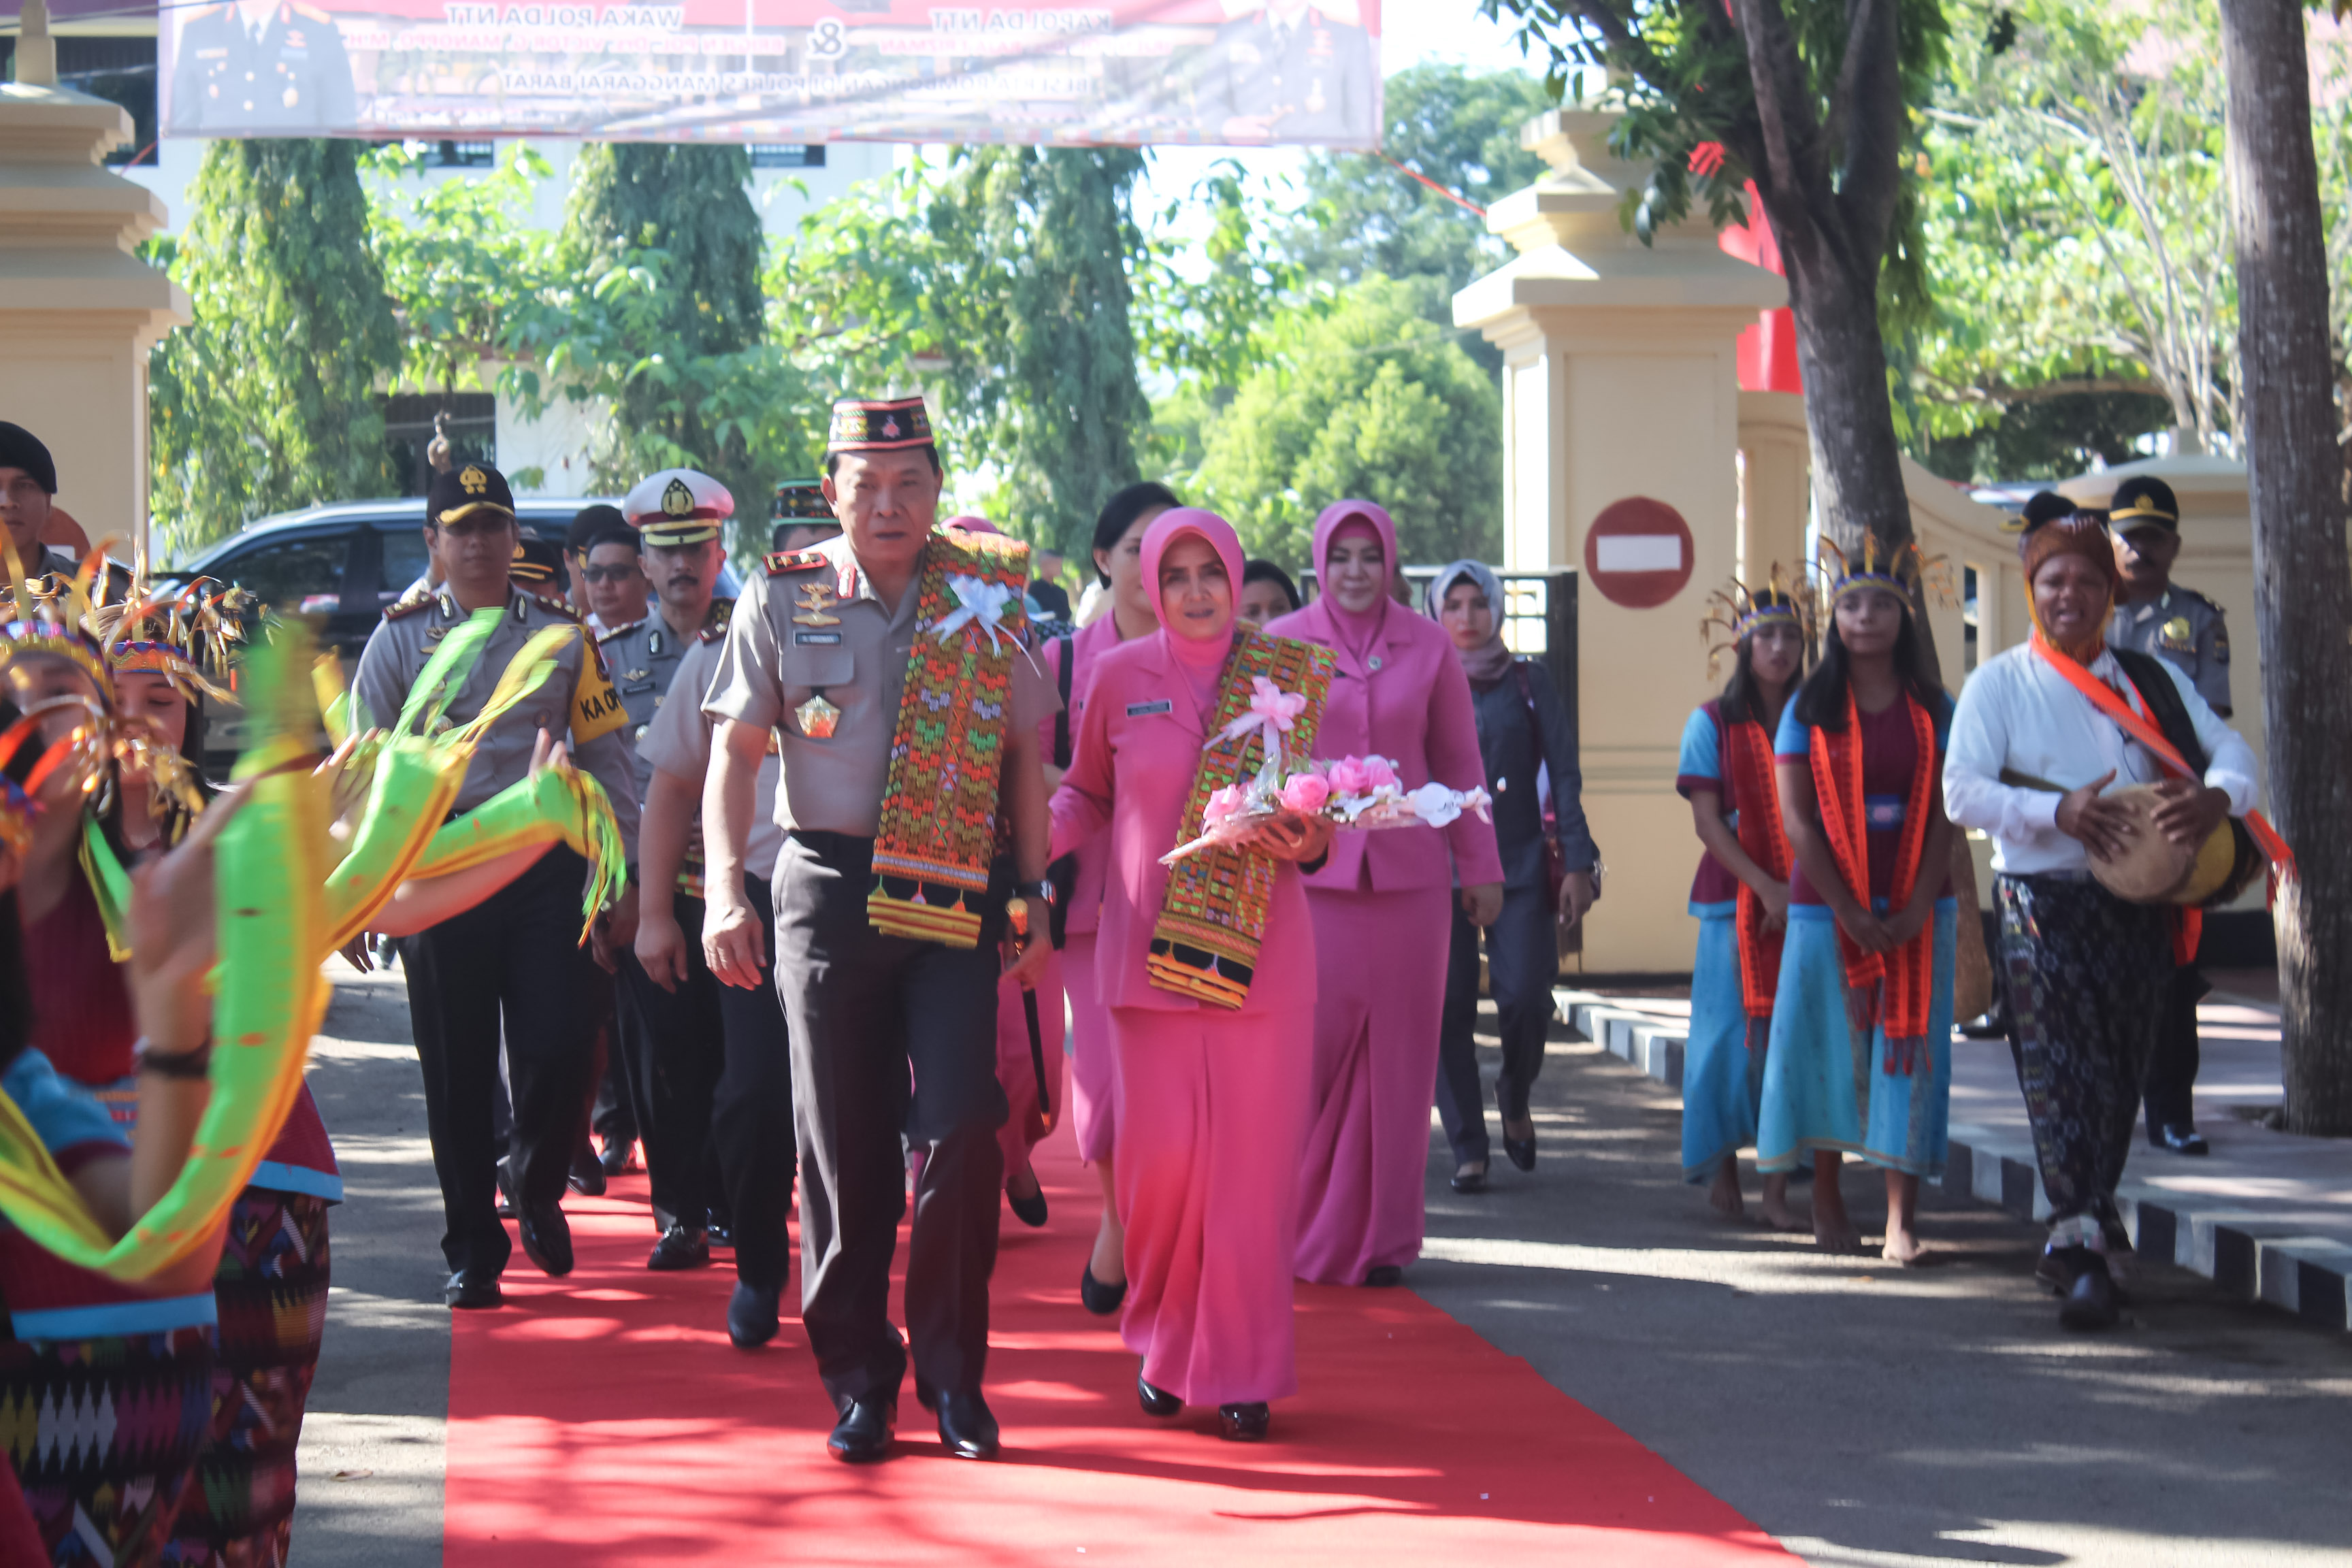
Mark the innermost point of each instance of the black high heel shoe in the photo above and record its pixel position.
(1243, 1422)
(1156, 1401)
(1097, 1297)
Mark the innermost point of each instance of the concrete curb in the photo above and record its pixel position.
(2252, 1255)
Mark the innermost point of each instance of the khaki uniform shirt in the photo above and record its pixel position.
(678, 742)
(2185, 628)
(823, 631)
(643, 657)
(577, 702)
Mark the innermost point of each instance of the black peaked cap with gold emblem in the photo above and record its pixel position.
(463, 491)
(2143, 503)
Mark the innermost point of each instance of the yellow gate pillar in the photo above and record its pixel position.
(1621, 385)
(78, 311)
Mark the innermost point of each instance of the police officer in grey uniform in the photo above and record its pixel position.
(262, 65)
(2154, 614)
(516, 955)
(670, 1033)
(1292, 70)
(818, 652)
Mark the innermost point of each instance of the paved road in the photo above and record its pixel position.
(1864, 1415)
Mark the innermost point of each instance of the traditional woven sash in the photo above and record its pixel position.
(1747, 765)
(1204, 944)
(2190, 923)
(938, 831)
(1891, 988)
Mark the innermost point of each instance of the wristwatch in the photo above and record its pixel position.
(1044, 892)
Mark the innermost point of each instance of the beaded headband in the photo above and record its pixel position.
(1735, 611)
(1906, 571)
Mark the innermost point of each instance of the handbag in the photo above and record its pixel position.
(1555, 853)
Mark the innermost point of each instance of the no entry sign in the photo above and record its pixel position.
(1638, 553)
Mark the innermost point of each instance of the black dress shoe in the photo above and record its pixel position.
(1030, 1210)
(681, 1247)
(751, 1316)
(1986, 1025)
(1243, 1422)
(2180, 1138)
(1100, 1299)
(721, 1234)
(472, 1287)
(1388, 1276)
(587, 1177)
(863, 1433)
(615, 1157)
(2091, 1300)
(506, 1190)
(967, 1429)
(546, 1238)
(1156, 1401)
(1520, 1152)
(1470, 1181)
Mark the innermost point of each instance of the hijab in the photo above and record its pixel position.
(1359, 632)
(1488, 662)
(1201, 660)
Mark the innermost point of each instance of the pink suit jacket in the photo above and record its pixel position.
(1091, 642)
(1139, 753)
(1416, 711)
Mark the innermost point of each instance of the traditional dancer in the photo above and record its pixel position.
(888, 663)
(1094, 1065)
(1861, 1053)
(1208, 972)
(2041, 732)
(1383, 909)
(1551, 867)
(1740, 894)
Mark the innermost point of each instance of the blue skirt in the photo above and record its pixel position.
(1824, 1088)
(1723, 1080)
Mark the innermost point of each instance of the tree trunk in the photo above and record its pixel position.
(2303, 577)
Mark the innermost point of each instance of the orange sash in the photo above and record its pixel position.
(1891, 988)
(2110, 701)
(1747, 768)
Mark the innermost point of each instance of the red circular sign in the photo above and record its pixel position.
(1638, 553)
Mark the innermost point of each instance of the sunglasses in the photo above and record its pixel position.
(602, 574)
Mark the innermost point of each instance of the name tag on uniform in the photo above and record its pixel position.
(804, 638)
(1144, 710)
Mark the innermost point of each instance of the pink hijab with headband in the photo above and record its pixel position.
(1201, 659)
(1359, 632)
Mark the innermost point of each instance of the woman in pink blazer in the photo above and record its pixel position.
(1212, 1103)
(1094, 1070)
(1384, 916)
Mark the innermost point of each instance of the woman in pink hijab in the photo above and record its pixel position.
(1384, 908)
(1212, 1102)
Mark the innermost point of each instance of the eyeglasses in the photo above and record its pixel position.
(601, 574)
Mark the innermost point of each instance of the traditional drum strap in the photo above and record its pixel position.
(1756, 796)
(2110, 701)
(938, 832)
(1204, 944)
(1891, 988)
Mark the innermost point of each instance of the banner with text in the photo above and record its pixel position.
(1124, 72)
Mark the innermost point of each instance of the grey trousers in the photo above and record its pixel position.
(865, 1013)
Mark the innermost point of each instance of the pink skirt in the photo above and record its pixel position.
(1016, 1068)
(1380, 993)
(1094, 1065)
(1212, 1110)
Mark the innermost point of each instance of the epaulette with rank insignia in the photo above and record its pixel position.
(714, 625)
(406, 605)
(782, 561)
(555, 606)
(603, 638)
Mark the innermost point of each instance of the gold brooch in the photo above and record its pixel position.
(818, 719)
(816, 598)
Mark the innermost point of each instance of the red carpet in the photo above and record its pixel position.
(605, 1418)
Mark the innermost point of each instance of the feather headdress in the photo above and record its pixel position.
(1736, 610)
(183, 634)
(1906, 571)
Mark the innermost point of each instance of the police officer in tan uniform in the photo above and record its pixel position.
(818, 653)
(470, 971)
(2154, 614)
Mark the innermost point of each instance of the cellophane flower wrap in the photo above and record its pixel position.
(1363, 792)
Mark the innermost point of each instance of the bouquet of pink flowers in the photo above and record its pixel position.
(1353, 792)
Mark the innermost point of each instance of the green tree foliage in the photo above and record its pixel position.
(1458, 129)
(265, 402)
(1366, 399)
(460, 259)
(1000, 284)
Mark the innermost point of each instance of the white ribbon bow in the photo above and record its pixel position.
(979, 603)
